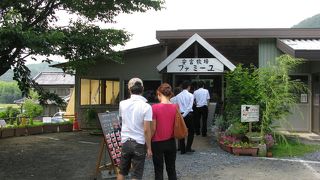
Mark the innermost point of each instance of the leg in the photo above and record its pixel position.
(197, 116)
(157, 159)
(138, 161)
(189, 124)
(182, 145)
(204, 120)
(125, 162)
(170, 159)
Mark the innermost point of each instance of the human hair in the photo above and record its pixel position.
(165, 89)
(177, 90)
(186, 84)
(137, 88)
(201, 84)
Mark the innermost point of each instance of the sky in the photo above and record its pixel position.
(213, 14)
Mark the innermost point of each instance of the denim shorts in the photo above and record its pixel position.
(133, 154)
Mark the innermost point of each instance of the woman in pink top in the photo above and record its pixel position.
(163, 142)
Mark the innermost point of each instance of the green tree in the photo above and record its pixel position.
(9, 91)
(32, 109)
(30, 28)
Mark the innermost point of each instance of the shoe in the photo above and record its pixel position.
(204, 135)
(183, 152)
(197, 134)
(190, 150)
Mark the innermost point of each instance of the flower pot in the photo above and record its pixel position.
(244, 151)
(65, 127)
(269, 154)
(34, 130)
(7, 132)
(50, 128)
(225, 147)
(20, 131)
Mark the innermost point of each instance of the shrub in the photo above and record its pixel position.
(32, 109)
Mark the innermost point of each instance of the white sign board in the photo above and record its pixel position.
(194, 65)
(304, 98)
(249, 113)
(3, 123)
(46, 119)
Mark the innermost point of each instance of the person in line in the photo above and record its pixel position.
(136, 116)
(163, 142)
(202, 98)
(185, 101)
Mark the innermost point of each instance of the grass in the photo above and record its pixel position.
(4, 106)
(293, 148)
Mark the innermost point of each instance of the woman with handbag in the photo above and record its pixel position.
(163, 141)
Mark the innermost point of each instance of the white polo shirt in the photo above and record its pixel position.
(202, 96)
(134, 111)
(185, 101)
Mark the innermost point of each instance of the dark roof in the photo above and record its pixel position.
(54, 78)
(239, 33)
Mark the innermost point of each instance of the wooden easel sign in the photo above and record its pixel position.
(111, 142)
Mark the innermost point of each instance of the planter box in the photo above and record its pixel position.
(7, 132)
(34, 130)
(65, 127)
(20, 131)
(245, 151)
(50, 128)
(227, 148)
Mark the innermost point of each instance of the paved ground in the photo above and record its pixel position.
(73, 156)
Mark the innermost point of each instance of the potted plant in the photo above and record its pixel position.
(254, 136)
(225, 142)
(66, 126)
(35, 128)
(20, 130)
(244, 148)
(8, 131)
(50, 127)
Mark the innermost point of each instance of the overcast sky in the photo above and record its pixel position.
(214, 14)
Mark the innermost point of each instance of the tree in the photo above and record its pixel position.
(30, 28)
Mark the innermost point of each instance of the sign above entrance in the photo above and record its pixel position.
(195, 65)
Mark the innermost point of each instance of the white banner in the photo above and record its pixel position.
(195, 65)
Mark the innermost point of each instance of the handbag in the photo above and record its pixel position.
(180, 128)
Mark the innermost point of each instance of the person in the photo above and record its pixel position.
(185, 101)
(163, 142)
(202, 98)
(136, 116)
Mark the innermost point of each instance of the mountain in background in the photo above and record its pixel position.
(34, 68)
(312, 22)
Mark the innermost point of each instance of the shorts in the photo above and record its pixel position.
(133, 154)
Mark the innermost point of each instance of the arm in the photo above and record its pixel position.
(153, 127)
(147, 135)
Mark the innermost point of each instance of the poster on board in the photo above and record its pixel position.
(111, 127)
(249, 113)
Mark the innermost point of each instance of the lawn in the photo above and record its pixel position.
(293, 148)
(4, 106)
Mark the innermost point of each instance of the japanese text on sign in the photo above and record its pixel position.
(195, 65)
(249, 113)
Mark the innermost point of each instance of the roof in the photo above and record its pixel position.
(54, 78)
(308, 49)
(240, 33)
(189, 42)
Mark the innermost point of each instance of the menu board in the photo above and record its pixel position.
(111, 127)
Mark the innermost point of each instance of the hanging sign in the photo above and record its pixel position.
(249, 113)
(195, 65)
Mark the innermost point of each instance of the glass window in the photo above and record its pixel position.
(150, 88)
(94, 92)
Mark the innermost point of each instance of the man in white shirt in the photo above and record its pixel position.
(136, 117)
(202, 98)
(185, 101)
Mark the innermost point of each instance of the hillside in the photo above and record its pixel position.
(34, 68)
(312, 22)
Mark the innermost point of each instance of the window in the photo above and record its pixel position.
(150, 88)
(95, 92)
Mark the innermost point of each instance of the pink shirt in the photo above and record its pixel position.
(164, 115)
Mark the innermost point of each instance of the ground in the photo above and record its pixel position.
(73, 156)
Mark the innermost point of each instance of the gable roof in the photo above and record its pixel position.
(54, 78)
(188, 43)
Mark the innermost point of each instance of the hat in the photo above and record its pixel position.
(133, 81)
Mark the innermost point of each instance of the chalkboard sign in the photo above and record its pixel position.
(111, 128)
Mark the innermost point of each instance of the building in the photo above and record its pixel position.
(205, 55)
(59, 83)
